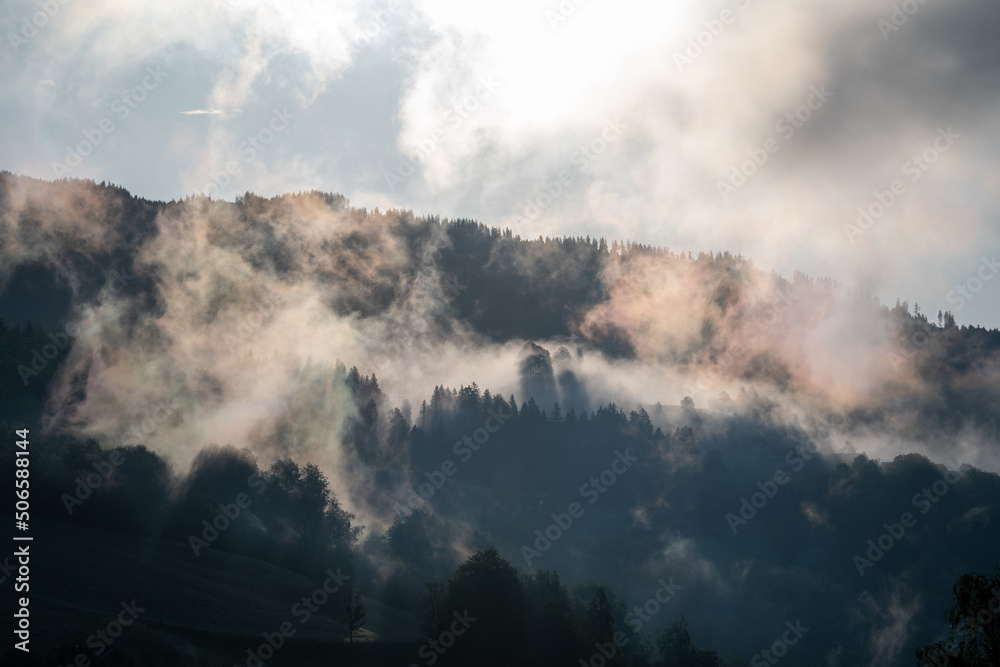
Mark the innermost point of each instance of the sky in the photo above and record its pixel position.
(845, 139)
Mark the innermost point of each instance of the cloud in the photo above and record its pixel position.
(687, 131)
(561, 75)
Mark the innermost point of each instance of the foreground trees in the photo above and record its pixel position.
(355, 615)
(975, 625)
(489, 613)
(677, 649)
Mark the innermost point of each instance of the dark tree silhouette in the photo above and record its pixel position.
(600, 618)
(974, 622)
(677, 649)
(355, 615)
(489, 589)
(434, 615)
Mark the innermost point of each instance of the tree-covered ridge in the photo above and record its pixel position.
(502, 285)
(749, 491)
(691, 470)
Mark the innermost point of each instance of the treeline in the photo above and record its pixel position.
(504, 286)
(29, 359)
(284, 514)
(492, 613)
(692, 472)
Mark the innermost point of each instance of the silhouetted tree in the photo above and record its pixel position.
(975, 625)
(489, 589)
(433, 606)
(355, 615)
(600, 618)
(677, 650)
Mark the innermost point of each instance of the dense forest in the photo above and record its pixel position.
(654, 457)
